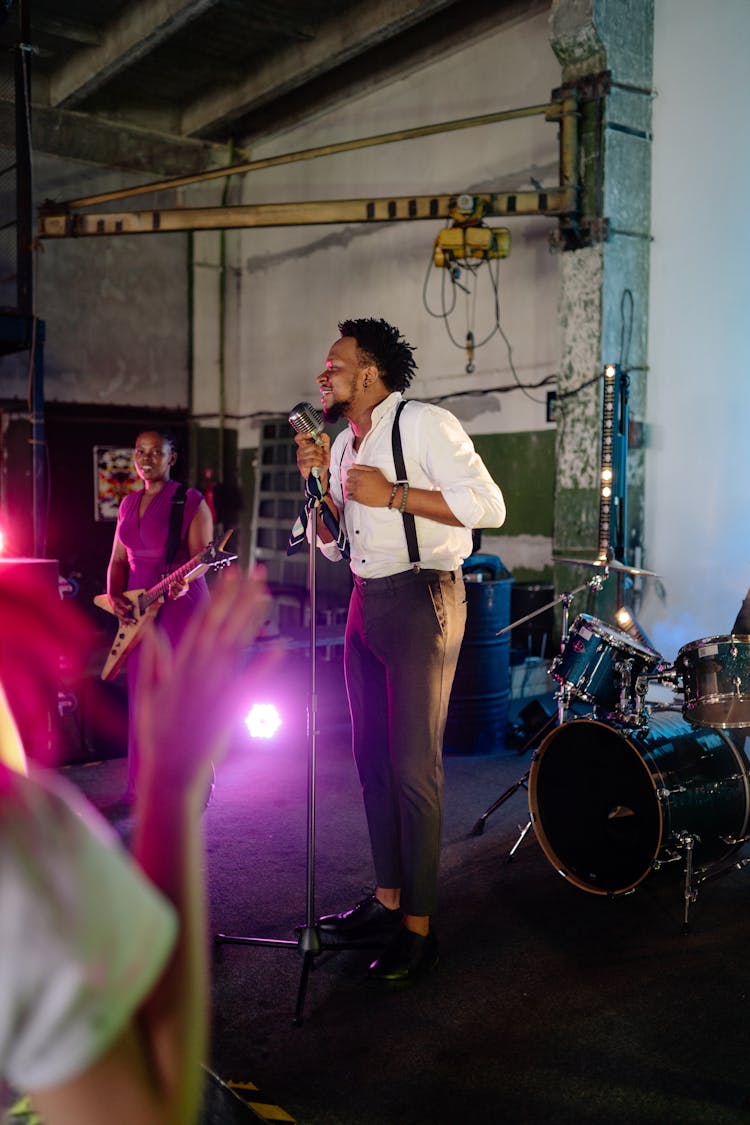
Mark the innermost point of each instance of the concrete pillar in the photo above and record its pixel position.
(605, 49)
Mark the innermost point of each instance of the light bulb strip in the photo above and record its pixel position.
(606, 476)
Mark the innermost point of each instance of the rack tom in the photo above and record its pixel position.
(601, 666)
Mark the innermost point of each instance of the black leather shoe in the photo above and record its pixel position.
(407, 957)
(369, 921)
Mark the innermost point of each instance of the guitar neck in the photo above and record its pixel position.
(179, 575)
(210, 556)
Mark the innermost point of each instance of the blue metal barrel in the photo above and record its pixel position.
(478, 708)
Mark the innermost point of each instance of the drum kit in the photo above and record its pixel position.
(632, 786)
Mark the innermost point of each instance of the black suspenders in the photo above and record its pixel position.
(410, 527)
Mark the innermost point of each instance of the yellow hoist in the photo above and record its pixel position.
(468, 238)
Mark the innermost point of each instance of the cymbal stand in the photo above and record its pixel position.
(308, 942)
(563, 703)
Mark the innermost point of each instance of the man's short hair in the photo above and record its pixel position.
(383, 345)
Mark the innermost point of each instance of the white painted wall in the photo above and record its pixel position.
(297, 283)
(115, 309)
(697, 523)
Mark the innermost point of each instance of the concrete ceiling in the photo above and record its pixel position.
(176, 86)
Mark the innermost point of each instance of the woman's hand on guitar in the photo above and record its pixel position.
(121, 606)
(177, 590)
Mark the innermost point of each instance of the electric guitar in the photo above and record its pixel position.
(146, 603)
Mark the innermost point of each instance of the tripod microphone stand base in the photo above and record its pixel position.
(308, 941)
(308, 944)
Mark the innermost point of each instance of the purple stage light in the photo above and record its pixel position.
(263, 720)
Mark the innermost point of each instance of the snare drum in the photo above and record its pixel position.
(601, 665)
(715, 673)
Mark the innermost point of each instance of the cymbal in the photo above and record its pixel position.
(610, 564)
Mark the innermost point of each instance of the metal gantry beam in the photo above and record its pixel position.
(554, 202)
(551, 110)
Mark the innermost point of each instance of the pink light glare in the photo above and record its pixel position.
(40, 633)
(263, 720)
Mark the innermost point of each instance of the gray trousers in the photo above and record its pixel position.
(403, 637)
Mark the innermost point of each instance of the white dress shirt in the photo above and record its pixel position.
(439, 455)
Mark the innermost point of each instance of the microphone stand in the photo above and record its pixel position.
(308, 941)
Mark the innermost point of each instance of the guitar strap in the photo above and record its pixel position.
(410, 527)
(176, 516)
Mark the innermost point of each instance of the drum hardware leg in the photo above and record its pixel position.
(478, 828)
(691, 890)
(524, 833)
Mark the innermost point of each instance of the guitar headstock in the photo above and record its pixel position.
(214, 556)
(223, 560)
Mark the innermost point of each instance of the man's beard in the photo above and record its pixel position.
(334, 412)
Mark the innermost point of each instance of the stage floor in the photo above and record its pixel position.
(552, 1004)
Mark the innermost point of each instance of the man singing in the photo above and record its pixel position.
(407, 485)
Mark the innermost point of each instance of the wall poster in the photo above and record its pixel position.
(114, 478)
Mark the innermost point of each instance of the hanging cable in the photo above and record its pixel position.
(478, 392)
(626, 327)
(438, 315)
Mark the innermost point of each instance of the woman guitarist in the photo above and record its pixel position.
(139, 553)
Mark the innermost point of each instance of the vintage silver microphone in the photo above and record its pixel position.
(305, 419)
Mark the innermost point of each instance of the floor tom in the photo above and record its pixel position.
(715, 674)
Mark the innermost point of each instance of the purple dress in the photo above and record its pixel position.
(145, 541)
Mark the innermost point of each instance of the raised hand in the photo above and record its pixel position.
(190, 697)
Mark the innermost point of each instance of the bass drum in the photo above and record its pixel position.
(608, 805)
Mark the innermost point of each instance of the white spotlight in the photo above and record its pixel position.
(262, 720)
